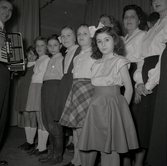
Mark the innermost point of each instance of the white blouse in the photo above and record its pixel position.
(153, 44)
(54, 69)
(39, 69)
(133, 45)
(106, 71)
(82, 64)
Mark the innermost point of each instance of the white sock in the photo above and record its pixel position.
(44, 140)
(39, 138)
(32, 135)
(27, 132)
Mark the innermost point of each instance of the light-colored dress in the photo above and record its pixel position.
(108, 125)
(34, 94)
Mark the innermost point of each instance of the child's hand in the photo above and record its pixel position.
(141, 90)
(137, 97)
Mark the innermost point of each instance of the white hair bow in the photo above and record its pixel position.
(59, 39)
(93, 29)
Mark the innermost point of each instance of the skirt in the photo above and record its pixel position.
(77, 103)
(157, 154)
(146, 106)
(34, 97)
(108, 125)
(22, 90)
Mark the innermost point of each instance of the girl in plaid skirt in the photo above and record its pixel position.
(78, 100)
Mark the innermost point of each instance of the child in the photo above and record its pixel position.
(34, 95)
(68, 39)
(108, 126)
(78, 100)
(21, 100)
(49, 93)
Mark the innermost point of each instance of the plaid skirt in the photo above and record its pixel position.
(77, 103)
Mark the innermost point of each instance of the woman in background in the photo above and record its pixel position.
(147, 77)
(134, 23)
(109, 21)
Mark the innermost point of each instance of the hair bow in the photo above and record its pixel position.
(59, 39)
(93, 29)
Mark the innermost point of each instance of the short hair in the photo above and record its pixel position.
(54, 37)
(118, 47)
(40, 38)
(83, 25)
(141, 15)
(153, 17)
(31, 48)
(69, 27)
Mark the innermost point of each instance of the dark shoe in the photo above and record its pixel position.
(3, 163)
(54, 160)
(33, 152)
(23, 145)
(38, 153)
(69, 164)
(45, 159)
(28, 146)
(70, 147)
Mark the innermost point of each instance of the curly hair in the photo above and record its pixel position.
(118, 47)
(113, 22)
(31, 48)
(141, 15)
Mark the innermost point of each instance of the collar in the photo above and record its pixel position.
(29, 64)
(109, 56)
(71, 48)
(135, 31)
(57, 55)
(89, 49)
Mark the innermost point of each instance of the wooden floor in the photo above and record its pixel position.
(15, 157)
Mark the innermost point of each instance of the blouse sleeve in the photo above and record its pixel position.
(138, 73)
(154, 74)
(122, 62)
(138, 46)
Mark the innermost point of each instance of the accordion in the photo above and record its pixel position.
(12, 52)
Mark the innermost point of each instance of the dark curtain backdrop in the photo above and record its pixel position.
(25, 19)
(95, 8)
